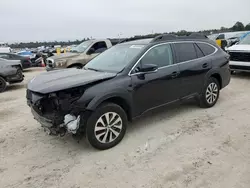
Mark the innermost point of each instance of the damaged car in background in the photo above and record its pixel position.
(126, 81)
(10, 72)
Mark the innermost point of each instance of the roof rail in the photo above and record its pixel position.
(173, 37)
(132, 39)
(164, 37)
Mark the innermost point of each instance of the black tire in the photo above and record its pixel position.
(208, 102)
(91, 128)
(233, 72)
(3, 84)
(77, 66)
(19, 73)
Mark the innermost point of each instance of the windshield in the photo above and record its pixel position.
(114, 59)
(245, 40)
(82, 47)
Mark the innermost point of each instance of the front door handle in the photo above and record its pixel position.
(174, 74)
(205, 65)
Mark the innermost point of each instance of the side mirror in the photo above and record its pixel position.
(91, 51)
(149, 68)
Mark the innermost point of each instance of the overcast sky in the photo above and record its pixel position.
(46, 20)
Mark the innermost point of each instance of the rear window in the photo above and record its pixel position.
(185, 51)
(206, 48)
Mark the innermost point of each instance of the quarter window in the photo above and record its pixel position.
(198, 51)
(185, 51)
(160, 55)
(206, 49)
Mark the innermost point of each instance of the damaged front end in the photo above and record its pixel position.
(56, 112)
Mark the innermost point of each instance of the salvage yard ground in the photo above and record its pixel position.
(179, 146)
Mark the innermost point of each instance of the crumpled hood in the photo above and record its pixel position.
(64, 56)
(65, 79)
(239, 47)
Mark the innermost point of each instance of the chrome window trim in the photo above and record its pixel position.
(216, 49)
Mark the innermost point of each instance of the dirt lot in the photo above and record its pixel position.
(181, 146)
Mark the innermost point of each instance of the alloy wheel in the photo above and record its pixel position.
(108, 127)
(212, 93)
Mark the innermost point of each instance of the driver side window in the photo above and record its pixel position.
(160, 55)
(98, 47)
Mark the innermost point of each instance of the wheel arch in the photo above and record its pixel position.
(120, 100)
(75, 64)
(215, 74)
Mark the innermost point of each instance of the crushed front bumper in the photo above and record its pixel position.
(42, 120)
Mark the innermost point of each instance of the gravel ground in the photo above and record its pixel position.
(178, 146)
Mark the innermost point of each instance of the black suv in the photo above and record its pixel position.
(126, 81)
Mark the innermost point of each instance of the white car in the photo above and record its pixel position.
(240, 55)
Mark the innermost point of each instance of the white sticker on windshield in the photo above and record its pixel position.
(137, 46)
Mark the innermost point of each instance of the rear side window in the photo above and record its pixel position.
(185, 51)
(198, 51)
(206, 49)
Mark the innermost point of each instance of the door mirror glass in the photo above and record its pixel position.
(147, 68)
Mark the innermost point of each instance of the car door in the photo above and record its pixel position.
(193, 67)
(159, 87)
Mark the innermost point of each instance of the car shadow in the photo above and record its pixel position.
(15, 87)
(241, 75)
(33, 69)
(161, 113)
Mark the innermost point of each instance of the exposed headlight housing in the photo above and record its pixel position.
(61, 62)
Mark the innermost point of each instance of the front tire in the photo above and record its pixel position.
(3, 84)
(106, 126)
(77, 66)
(210, 93)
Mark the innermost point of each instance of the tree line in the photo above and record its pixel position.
(238, 26)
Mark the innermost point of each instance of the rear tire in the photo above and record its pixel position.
(106, 126)
(210, 93)
(3, 84)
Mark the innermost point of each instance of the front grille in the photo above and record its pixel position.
(240, 56)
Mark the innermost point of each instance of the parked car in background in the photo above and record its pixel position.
(35, 58)
(79, 56)
(230, 37)
(10, 72)
(240, 55)
(25, 61)
(126, 81)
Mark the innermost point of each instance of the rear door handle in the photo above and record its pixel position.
(174, 74)
(205, 65)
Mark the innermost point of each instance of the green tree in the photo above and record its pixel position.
(247, 27)
(238, 26)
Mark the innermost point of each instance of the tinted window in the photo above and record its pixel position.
(221, 36)
(159, 55)
(99, 47)
(185, 51)
(198, 51)
(206, 49)
(4, 56)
